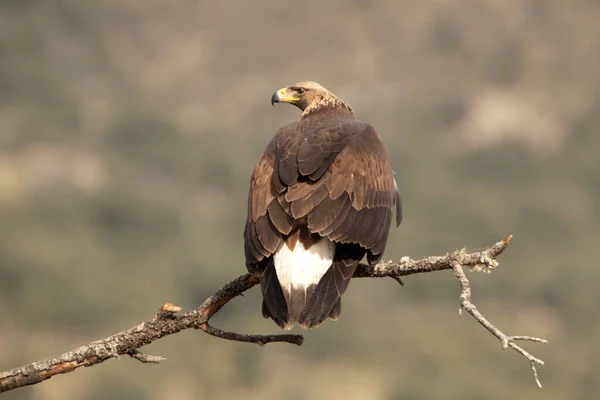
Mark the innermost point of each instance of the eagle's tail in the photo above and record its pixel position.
(304, 282)
(296, 269)
(326, 299)
(274, 304)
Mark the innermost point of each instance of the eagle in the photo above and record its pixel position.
(321, 197)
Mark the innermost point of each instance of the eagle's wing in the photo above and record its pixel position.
(356, 212)
(338, 181)
(262, 237)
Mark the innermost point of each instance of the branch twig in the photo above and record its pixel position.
(146, 358)
(507, 341)
(167, 322)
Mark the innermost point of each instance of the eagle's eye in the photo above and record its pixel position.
(300, 91)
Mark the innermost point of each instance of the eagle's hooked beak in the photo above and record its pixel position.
(275, 98)
(282, 96)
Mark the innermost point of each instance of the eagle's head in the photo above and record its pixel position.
(308, 96)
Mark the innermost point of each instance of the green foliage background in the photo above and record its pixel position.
(128, 131)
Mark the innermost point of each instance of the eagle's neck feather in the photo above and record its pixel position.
(326, 102)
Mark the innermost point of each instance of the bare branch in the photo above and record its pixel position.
(483, 260)
(167, 321)
(260, 340)
(507, 341)
(146, 358)
(164, 323)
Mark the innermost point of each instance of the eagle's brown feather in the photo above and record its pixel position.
(328, 175)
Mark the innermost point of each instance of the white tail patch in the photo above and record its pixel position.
(299, 270)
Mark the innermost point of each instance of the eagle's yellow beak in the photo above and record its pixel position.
(283, 96)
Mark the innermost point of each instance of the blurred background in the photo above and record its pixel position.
(128, 132)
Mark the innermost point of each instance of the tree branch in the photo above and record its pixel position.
(167, 322)
(507, 341)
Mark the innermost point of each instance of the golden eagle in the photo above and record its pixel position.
(321, 197)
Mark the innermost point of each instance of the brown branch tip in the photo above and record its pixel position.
(167, 321)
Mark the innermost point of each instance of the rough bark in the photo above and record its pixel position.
(167, 321)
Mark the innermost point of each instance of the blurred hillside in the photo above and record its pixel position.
(128, 131)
